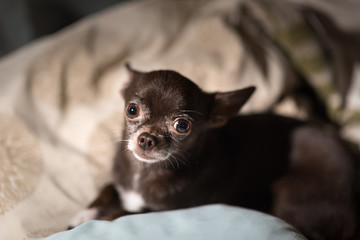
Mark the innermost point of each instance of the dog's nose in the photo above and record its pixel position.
(147, 141)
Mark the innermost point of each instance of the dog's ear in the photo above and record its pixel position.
(228, 104)
(131, 75)
(130, 70)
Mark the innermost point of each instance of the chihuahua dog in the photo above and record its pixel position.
(183, 147)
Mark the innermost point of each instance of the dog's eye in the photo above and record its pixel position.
(132, 110)
(182, 125)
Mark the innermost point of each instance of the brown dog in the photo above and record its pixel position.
(184, 147)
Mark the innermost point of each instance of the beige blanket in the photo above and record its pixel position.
(60, 107)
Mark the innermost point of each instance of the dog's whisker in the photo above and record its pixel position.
(172, 158)
(121, 140)
(177, 160)
(178, 165)
(172, 164)
(182, 158)
(165, 162)
(119, 132)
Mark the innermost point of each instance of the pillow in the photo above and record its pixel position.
(210, 222)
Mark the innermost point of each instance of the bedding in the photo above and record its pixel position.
(209, 222)
(61, 111)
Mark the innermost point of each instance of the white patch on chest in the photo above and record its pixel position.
(132, 201)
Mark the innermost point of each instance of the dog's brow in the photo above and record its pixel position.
(192, 111)
(185, 116)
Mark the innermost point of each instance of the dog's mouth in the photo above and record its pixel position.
(148, 148)
(149, 157)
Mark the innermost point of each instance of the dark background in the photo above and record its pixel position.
(24, 20)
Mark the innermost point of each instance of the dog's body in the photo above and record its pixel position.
(184, 147)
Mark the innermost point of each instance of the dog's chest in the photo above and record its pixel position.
(131, 198)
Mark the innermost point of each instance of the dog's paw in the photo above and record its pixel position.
(83, 216)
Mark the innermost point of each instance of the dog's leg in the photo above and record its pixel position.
(105, 204)
(317, 195)
(116, 214)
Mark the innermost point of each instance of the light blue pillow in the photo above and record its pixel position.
(206, 222)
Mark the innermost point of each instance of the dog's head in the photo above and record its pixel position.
(166, 113)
